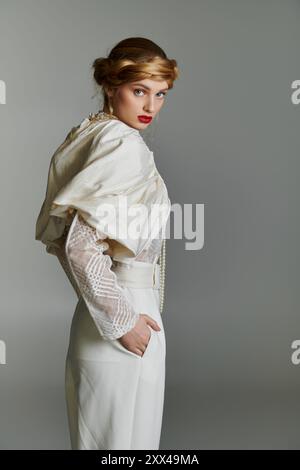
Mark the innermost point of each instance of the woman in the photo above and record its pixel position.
(115, 364)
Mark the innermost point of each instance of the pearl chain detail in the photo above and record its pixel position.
(162, 263)
(101, 115)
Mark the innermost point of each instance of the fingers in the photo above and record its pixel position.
(108, 251)
(153, 323)
(142, 348)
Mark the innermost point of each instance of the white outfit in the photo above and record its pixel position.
(114, 397)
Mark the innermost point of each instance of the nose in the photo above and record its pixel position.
(149, 106)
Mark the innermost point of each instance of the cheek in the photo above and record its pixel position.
(124, 97)
(134, 103)
(129, 100)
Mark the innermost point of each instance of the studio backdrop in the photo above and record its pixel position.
(227, 146)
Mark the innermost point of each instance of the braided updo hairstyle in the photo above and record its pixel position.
(133, 59)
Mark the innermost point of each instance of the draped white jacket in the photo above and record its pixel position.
(103, 161)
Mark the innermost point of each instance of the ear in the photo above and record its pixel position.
(109, 92)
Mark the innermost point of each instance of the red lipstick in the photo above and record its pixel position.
(145, 119)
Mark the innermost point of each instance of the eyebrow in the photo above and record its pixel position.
(148, 88)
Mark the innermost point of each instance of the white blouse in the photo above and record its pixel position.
(100, 160)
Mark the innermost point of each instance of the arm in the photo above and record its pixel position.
(97, 283)
(61, 255)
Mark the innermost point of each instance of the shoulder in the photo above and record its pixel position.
(113, 129)
(115, 133)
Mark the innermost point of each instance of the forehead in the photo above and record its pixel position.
(153, 85)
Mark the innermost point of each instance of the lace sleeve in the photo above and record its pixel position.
(97, 283)
(61, 255)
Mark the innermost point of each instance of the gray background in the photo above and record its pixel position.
(228, 138)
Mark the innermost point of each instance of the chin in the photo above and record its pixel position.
(138, 126)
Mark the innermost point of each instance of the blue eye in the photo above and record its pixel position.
(139, 89)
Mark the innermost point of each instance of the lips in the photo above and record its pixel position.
(146, 119)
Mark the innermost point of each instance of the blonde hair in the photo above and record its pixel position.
(133, 59)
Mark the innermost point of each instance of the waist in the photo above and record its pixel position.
(137, 274)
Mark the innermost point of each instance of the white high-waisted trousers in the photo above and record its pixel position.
(115, 397)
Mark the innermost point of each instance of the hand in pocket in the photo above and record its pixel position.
(136, 340)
